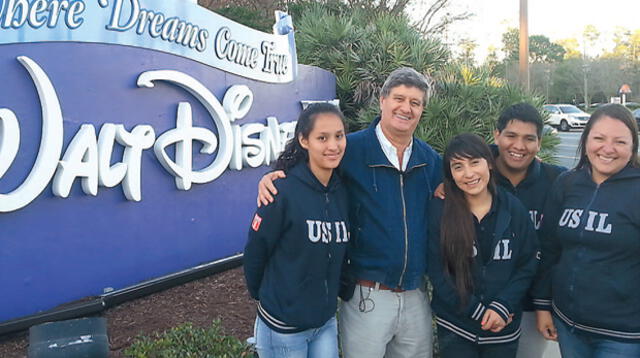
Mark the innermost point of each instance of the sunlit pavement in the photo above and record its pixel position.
(568, 147)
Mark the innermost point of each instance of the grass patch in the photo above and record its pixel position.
(187, 341)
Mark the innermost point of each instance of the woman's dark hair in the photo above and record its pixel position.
(293, 152)
(615, 111)
(457, 227)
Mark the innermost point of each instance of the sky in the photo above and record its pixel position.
(556, 19)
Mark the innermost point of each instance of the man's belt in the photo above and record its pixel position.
(378, 286)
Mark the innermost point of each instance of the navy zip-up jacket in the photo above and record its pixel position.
(499, 284)
(296, 246)
(532, 192)
(388, 210)
(591, 258)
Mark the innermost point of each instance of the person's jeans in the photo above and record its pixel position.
(381, 323)
(577, 344)
(313, 343)
(453, 346)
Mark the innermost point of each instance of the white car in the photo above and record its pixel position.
(566, 116)
(636, 115)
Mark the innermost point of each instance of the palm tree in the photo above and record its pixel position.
(361, 48)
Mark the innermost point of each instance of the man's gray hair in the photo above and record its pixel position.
(409, 77)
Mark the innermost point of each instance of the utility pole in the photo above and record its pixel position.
(547, 73)
(524, 46)
(585, 72)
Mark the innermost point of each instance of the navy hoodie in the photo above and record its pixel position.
(590, 265)
(295, 250)
(532, 192)
(499, 283)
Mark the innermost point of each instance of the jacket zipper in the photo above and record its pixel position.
(326, 215)
(404, 216)
(406, 237)
(585, 214)
(326, 207)
(483, 265)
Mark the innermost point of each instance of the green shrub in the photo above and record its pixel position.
(187, 341)
(361, 48)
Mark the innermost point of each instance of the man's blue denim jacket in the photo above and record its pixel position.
(388, 210)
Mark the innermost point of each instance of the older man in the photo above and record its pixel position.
(390, 177)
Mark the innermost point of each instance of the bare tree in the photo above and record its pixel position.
(260, 5)
(391, 6)
(434, 15)
(433, 21)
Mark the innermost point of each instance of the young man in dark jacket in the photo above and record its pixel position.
(518, 135)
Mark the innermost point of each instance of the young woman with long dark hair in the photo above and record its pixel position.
(482, 256)
(588, 294)
(296, 245)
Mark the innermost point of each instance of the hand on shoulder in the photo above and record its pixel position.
(266, 189)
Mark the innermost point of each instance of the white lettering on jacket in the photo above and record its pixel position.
(326, 231)
(535, 218)
(502, 250)
(596, 221)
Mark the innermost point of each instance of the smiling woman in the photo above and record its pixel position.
(591, 222)
(294, 254)
(608, 148)
(482, 249)
(471, 175)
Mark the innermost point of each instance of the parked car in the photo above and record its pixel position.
(566, 116)
(632, 105)
(636, 114)
(549, 130)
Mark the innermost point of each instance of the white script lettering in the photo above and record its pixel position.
(37, 13)
(157, 25)
(88, 158)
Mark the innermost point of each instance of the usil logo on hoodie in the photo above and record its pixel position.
(595, 222)
(327, 231)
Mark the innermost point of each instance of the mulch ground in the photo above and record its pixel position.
(222, 296)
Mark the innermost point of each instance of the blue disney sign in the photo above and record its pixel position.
(132, 136)
(177, 27)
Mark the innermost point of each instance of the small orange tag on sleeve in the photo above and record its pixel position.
(255, 225)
